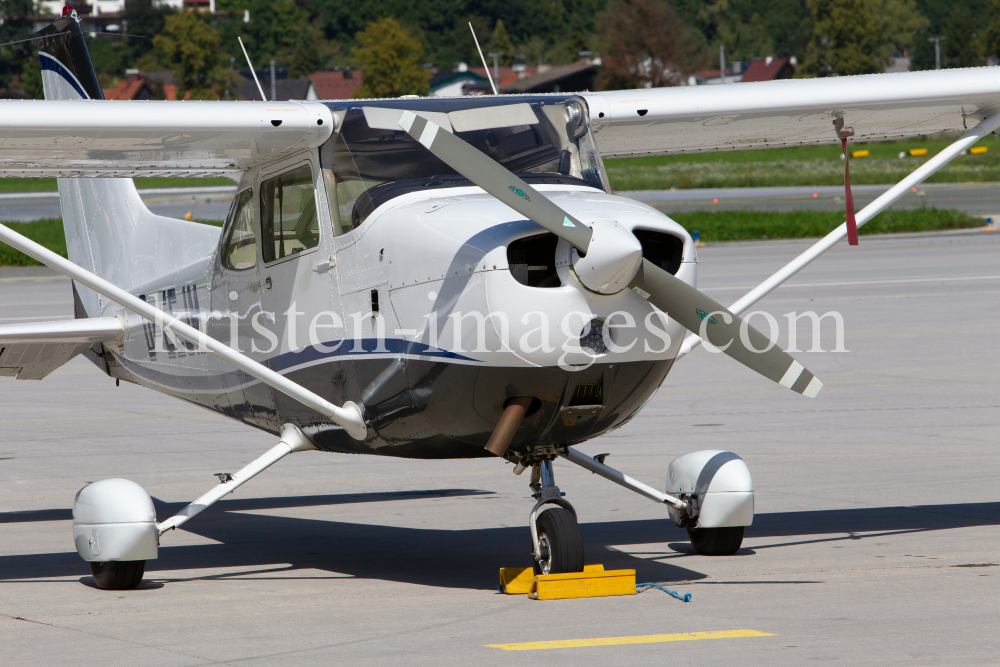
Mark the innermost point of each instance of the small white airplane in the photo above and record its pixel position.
(422, 278)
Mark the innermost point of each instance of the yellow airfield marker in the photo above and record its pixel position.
(638, 639)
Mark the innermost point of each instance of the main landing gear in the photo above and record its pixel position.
(114, 522)
(710, 493)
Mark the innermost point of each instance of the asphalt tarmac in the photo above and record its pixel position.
(212, 202)
(203, 203)
(875, 540)
(972, 198)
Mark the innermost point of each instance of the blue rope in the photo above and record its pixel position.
(645, 587)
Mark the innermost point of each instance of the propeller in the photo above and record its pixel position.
(614, 263)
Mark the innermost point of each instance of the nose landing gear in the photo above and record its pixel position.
(557, 546)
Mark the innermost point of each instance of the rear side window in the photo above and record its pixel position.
(288, 216)
(240, 250)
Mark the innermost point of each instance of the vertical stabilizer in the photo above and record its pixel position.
(67, 71)
(108, 228)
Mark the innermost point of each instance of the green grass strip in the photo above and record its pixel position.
(744, 225)
(48, 232)
(49, 184)
(803, 165)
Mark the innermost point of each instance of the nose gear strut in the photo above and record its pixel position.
(557, 546)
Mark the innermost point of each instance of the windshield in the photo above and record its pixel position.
(371, 159)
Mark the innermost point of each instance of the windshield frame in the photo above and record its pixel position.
(563, 150)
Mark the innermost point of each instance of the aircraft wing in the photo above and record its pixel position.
(32, 351)
(71, 138)
(790, 112)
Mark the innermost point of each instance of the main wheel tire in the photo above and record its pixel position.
(716, 541)
(119, 575)
(560, 542)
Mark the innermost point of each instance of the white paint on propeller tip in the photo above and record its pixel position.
(427, 136)
(791, 375)
(813, 388)
(406, 120)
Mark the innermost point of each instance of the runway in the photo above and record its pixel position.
(203, 203)
(972, 198)
(212, 202)
(876, 536)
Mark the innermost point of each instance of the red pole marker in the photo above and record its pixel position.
(852, 224)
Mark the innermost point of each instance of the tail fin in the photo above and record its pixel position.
(67, 71)
(108, 228)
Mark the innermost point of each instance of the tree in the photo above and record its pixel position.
(305, 57)
(963, 48)
(15, 25)
(896, 22)
(990, 38)
(190, 48)
(500, 43)
(276, 30)
(31, 78)
(744, 36)
(391, 61)
(145, 19)
(646, 45)
(845, 40)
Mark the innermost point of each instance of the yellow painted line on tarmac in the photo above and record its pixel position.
(636, 639)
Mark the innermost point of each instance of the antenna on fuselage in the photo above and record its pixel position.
(252, 70)
(492, 85)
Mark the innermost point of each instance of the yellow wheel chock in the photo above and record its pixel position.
(593, 582)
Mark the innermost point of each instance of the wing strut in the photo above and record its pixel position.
(863, 216)
(350, 416)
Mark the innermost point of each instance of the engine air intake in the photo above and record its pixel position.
(663, 250)
(532, 260)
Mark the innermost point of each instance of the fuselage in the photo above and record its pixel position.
(420, 315)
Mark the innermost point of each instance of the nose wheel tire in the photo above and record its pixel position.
(559, 542)
(120, 575)
(716, 541)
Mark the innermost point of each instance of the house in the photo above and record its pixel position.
(766, 69)
(144, 86)
(284, 89)
(711, 77)
(337, 84)
(504, 75)
(459, 83)
(133, 87)
(770, 69)
(573, 78)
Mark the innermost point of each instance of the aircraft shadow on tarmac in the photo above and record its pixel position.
(279, 546)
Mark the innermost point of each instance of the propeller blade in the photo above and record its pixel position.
(683, 303)
(497, 180)
(706, 317)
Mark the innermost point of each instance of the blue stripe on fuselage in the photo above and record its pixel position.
(283, 362)
(398, 346)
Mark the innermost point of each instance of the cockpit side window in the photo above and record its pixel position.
(240, 249)
(344, 184)
(288, 216)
